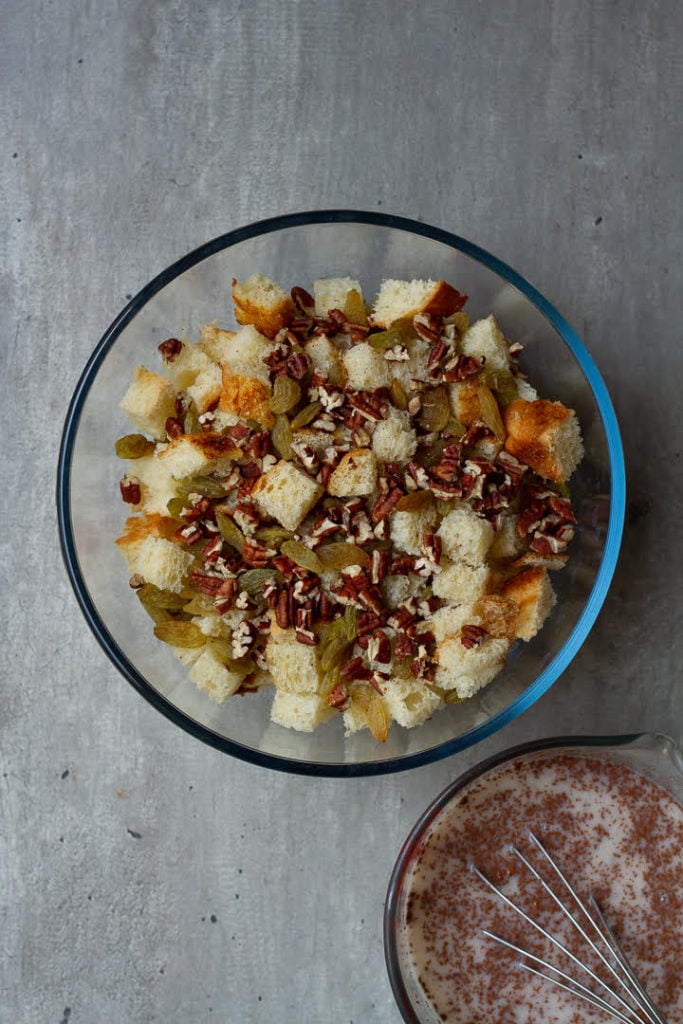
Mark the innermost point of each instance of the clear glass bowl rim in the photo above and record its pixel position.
(612, 541)
(649, 740)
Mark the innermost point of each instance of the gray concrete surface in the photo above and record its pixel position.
(143, 876)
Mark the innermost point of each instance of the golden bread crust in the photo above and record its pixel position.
(268, 319)
(531, 428)
(138, 528)
(246, 397)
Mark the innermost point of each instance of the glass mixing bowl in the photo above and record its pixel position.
(652, 755)
(296, 249)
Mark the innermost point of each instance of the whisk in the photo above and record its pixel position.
(630, 1002)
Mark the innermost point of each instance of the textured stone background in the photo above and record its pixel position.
(143, 876)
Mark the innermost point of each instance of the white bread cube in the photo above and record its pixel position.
(461, 582)
(188, 655)
(157, 485)
(214, 678)
(149, 401)
(159, 561)
(465, 536)
(397, 300)
(446, 622)
(317, 440)
(355, 475)
(212, 624)
(206, 388)
(355, 718)
(344, 293)
(408, 701)
(184, 368)
(532, 592)
(365, 368)
(222, 420)
(300, 711)
(198, 455)
(525, 390)
(507, 542)
(287, 494)
(325, 357)
(246, 352)
(215, 342)
(408, 529)
(544, 435)
(467, 670)
(485, 338)
(293, 666)
(398, 589)
(262, 303)
(394, 440)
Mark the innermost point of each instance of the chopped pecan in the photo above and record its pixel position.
(368, 622)
(437, 354)
(404, 647)
(379, 564)
(477, 431)
(338, 697)
(471, 635)
(258, 444)
(302, 299)
(170, 348)
(355, 669)
(432, 545)
(210, 585)
(379, 648)
(385, 504)
(213, 549)
(462, 367)
(243, 639)
(402, 565)
(282, 609)
(368, 405)
(256, 555)
(130, 490)
(298, 364)
(428, 326)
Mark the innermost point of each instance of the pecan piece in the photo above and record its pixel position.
(428, 326)
(130, 490)
(170, 348)
(338, 697)
(471, 635)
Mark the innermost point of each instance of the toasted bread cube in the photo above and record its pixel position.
(157, 485)
(342, 293)
(467, 670)
(355, 475)
(485, 338)
(300, 711)
(325, 357)
(215, 342)
(138, 528)
(198, 455)
(287, 494)
(465, 536)
(365, 368)
(507, 542)
(183, 369)
(214, 678)
(544, 435)
(461, 582)
(149, 401)
(408, 701)
(408, 529)
(247, 398)
(293, 666)
(394, 440)
(206, 388)
(246, 352)
(397, 300)
(262, 303)
(532, 592)
(499, 616)
(159, 561)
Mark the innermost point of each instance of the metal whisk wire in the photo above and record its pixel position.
(638, 1008)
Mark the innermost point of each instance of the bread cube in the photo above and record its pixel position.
(214, 678)
(532, 592)
(300, 711)
(287, 494)
(342, 293)
(356, 474)
(246, 397)
(365, 368)
(157, 485)
(188, 655)
(398, 589)
(465, 536)
(544, 435)
(414, 368)
(408, 529)
(183, 369)
(198, 455)
(507, 542)
(467, 670)
(461, 582)
(293, 666)
(485, 338)
(206, 388)
(325, 357)
(215, 342)
(159, 561)
(408, 701)
(397, 300)
(149, 401)
(246, 352)
(446, 622)
(394, 440)
(262, 303)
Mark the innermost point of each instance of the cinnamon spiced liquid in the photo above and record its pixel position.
(614, 833)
